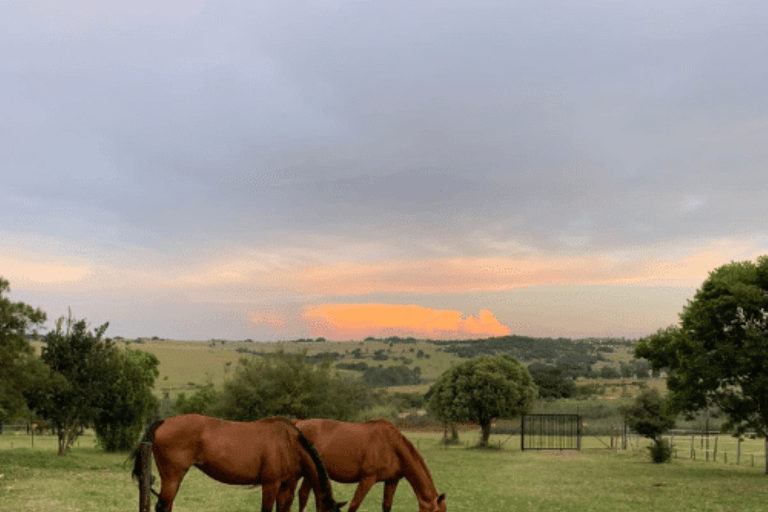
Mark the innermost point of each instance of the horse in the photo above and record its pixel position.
(367, 453)
(270, 452)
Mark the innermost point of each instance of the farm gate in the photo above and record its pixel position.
(550, 432)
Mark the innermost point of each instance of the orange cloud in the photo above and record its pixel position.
(357, 321)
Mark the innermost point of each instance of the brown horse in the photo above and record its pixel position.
(370, 452)
(271, 452)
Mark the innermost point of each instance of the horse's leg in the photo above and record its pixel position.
(363, 487)
(306, 486)
(170, 479)
(285, 497)
(269, 493)
(389, 494)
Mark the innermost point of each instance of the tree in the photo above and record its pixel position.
(128, 401)
(82, 372)
(717, 356)
(649, 417)
(20, 368)
(289, 385)
(481, 390)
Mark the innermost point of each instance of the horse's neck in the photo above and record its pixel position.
(415, 470)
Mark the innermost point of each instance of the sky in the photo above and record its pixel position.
(276, 170)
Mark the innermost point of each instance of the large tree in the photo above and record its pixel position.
(718, 355)
(20, 368)
(82, 364)
(481, 390)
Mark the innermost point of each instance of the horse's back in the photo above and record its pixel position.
(228, 451)
(351, 451)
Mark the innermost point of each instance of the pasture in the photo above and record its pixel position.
(595, 479)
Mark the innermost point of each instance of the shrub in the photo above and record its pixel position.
(661, 451)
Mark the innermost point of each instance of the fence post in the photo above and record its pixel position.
(145, 479)
(714, 454)
(738, 452)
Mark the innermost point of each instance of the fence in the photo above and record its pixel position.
(550, 432)
(706, 446)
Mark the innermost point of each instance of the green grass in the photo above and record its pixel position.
(489, 481)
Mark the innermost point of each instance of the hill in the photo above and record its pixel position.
(189, 364)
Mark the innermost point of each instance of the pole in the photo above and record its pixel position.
(145, 480)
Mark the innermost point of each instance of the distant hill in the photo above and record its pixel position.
(389, 361)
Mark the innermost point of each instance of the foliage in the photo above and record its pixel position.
(552, 381)
(289, 385)
(82, 366)
(661, 451)
(649, 417)
(20, 369)
(200, 402)
(718, 354)
(128, 401)
(481, 390)
(399, 375)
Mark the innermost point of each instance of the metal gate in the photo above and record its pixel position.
(550, 432)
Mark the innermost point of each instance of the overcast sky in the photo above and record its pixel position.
(277, 170)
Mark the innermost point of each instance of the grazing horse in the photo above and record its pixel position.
(271, 452)
(370, 452)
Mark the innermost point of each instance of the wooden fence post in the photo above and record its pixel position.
(145, 479)
(738, 452)
(714, 454)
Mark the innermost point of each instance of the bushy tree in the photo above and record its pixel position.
(20, 368)
(128, 400)
(481, 390)
(289, 385)
(649, 417)
(81, 365)
(718, 355)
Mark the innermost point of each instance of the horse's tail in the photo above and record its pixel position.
(148, 437)
(323, 481)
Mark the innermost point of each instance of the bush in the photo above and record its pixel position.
(661, 451)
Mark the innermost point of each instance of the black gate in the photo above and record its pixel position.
(550, 432)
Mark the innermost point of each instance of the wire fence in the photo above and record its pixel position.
(705, 446)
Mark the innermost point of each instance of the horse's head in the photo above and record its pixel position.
(435, 505)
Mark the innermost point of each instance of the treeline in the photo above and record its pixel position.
(374, 376)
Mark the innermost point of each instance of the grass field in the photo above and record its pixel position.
(89, 480)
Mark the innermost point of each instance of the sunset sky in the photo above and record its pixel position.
(341, 169)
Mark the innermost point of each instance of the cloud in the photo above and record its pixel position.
(357, 321)
(31, 269)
